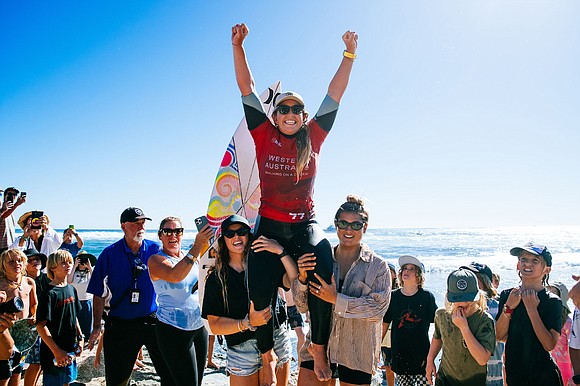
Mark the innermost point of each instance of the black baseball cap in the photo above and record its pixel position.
(133, 214)
(234, 219)
(32, 252)
(479, 268)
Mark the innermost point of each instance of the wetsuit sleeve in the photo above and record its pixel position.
(253, 110)
(327, 113)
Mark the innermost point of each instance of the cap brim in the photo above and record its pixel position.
(407, 259)
(463, 297)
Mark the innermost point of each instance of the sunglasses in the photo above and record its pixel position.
(284, 109)
(240, 232)
(355, 225)
(170, 231)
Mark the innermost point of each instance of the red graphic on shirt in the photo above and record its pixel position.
(409, 319)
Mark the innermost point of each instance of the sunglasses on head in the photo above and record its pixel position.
(355, 225)
(240, 232)
(284, 109)
(170, 231)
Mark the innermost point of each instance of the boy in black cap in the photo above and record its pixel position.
(530, 321)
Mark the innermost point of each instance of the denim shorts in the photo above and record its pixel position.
(58, 376)
(244, 359)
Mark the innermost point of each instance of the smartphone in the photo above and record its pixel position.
(36, 215)
(200, 222)
(23, 194)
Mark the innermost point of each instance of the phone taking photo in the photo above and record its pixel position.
(36, 215)
(200, 222)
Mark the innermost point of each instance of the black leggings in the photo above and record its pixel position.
(265, 273)
(184, 352)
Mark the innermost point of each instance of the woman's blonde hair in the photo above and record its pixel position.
(7, 255)
(303, 150)
(54, 259)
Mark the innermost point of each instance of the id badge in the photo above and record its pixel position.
(134, 296)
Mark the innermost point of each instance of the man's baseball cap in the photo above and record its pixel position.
(407, 259)
(534, 249)
(133, 214)
(289, 95)
(462, 286)
(234, 219)
(479, 268)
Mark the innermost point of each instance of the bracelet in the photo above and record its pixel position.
(247, 320)
(349, 55)
(507, 311)
(282, 254)
(239, 328)
(190, 256)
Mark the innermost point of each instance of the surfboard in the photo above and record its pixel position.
(237, 186)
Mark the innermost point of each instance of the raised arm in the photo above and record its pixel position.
(339, 82)
(241, 66)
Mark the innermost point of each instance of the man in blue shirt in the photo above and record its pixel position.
(121, 274)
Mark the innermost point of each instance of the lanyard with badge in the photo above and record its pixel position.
(137, 268)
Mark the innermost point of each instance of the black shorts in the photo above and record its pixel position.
(343, 373)
(294, 317)
(10, 366)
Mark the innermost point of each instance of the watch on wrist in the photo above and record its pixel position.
(282, 254)
(190, 256)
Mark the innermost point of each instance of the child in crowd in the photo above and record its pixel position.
(530, 321)
(465, 333)
(79, 278)
(15, 285)
(386, 342)
(484, 281)
(34, 268)
(57, 323)
(75, 246)
(561, 352)
(411, 311)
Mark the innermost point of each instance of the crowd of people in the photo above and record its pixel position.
(141, 292)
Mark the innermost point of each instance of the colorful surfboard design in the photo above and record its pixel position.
(237, 185)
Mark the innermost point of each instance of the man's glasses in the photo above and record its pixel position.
(240, 232)
(355, 225)
(169, 231)
(284, 109)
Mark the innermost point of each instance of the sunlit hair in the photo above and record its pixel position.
(546, 277)
(14, 255)
(222, 262)
(56, 258)
(479, 305)
(486, 285)
(353, 204)
(419, 274)
(165, 221)
(303, 150)
(496, 278)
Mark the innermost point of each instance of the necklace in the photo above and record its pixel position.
(17, 284)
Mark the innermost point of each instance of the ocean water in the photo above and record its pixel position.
(440, 249)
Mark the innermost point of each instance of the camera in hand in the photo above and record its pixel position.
(12, 306)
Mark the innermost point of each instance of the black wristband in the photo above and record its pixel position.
(282, 254)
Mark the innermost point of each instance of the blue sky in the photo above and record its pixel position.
(457, 113)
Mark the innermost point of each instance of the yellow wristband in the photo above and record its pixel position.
(349, 55)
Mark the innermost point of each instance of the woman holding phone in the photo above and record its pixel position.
(38, 233)
(180, 332)
(287, 155)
